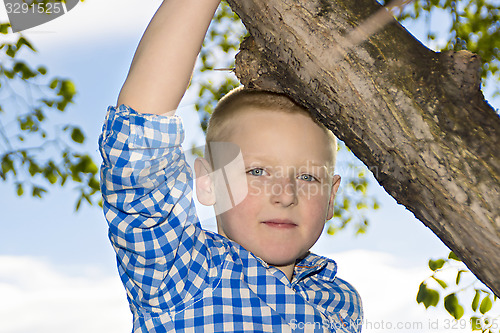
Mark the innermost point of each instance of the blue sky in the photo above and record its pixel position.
(58, 271)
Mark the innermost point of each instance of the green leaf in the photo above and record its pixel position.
(332, 230)
(361, 205)
(26, 72)
(22, 41)
(48, 102)
(7, 165)
(38, 191)
(84, 165)
(453, 256)
(53, 84)
(26, 123)
(346, 203)
(39, 114)
(50, 174)
(441, 282)
(87, 198)
(486, 305)
(94, 184)
(453, 307)
(362, 227)
(475, 301)
(436, 264)
(11, 51)
(77, 135)
(62, 105)
(90, 166)
(33, 168)
(428, 297)
(67, 90)
(475, 323)
(459, 275)
(78, 203)
(20, 189)
(9, 74)
(4, 28)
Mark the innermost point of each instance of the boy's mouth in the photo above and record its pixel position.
(280, 223)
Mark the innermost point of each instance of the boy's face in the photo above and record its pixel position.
(291, 189)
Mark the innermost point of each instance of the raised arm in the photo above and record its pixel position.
(164, 60)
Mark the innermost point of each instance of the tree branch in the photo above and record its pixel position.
(415, 114)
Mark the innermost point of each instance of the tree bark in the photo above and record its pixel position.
(415, 117)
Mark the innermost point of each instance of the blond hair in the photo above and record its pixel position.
(241, 98)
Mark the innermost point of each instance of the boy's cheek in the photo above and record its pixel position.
(256, 187)
(304, 191)
(309, 190)
(316, 203)
(230, 190)
(315, 194)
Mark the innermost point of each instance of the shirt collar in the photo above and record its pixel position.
(312, 264)
(324, 268)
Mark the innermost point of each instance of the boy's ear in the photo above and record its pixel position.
(335, 188)
(204, 182)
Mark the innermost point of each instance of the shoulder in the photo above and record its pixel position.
(344, 296)
(350, 293)
(349, 307)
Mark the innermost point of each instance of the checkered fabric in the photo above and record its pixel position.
(181, 278)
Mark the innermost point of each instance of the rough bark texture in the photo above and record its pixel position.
(417, 116)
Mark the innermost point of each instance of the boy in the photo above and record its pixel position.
(256, 274)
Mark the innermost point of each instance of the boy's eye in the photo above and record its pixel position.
(256, 172)
(307, 178)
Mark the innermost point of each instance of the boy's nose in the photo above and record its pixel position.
(284, 192)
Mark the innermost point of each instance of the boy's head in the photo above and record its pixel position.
(286, 175)
(240, 99)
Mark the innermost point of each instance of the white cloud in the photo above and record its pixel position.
(36, 297)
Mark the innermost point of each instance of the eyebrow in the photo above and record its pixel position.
(271, 161)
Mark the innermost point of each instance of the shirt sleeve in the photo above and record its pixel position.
(146, 186)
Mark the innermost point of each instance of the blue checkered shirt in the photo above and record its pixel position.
(181, 278)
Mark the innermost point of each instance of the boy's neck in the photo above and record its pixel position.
(287, 270)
